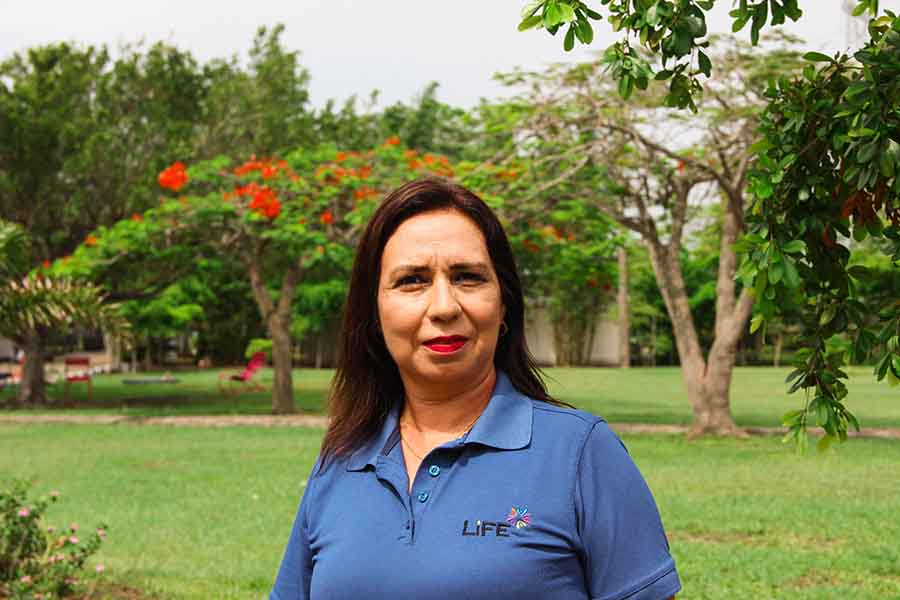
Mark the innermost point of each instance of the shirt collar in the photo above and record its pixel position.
(505, 424)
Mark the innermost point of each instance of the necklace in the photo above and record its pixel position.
(455, 434)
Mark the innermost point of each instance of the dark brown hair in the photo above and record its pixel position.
(367, 381)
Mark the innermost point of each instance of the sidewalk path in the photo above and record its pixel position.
(320, 421)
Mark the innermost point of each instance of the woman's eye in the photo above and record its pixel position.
(470, 277)
(409, 280)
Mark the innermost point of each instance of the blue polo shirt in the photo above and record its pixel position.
(536, 501)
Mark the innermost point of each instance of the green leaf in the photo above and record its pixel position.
(861, 132)
(776, 271)
(566, 13)
(858, 271)
(569, 42)
(531, 8)
(828, 314)
(823, 443)
(585, 31)
(626, 87)
(794, 247)
(552, 14)
(755, 323)
(816, 57)
(531, 22)
(704, 63)
(791, 418)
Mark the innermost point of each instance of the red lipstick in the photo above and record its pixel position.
(447, 344)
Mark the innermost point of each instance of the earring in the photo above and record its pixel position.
(504, 328)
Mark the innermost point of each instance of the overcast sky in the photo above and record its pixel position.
(354, 46)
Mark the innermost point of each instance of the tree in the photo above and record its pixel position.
(79, 136)
(285, 221)
(35, 303)
(653, 180)
(829, 155)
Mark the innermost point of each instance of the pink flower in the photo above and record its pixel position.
(73, 526)
(100, 568)
(25, 579)
(24, 512)
(54, 494)
(101, 533)
(73, 539)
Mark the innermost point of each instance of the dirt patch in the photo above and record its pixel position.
(769, 540)
(321, 421)
(113, 591)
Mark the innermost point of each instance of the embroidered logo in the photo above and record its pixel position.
(519, 517)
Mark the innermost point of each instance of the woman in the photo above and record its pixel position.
(447, 470)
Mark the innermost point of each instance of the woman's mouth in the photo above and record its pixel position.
(446, 345)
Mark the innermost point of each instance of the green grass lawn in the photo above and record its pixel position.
(205, 513)
(621, 396)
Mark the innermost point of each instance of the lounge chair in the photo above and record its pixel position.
(232, 383)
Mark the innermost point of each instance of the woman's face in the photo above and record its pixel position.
(439, 301)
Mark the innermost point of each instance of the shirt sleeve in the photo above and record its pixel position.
(295, 574)
(625, 550)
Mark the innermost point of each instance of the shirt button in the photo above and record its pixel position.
(434, 470)
(423, 496)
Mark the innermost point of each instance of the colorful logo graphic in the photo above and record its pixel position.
(519, 517)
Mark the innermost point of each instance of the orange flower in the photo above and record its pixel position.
(45, 264)
(364, 172)
(265, 203)
(414, 163)
(268, 171)
(273, 208)
(340, 157)
(248, 167)
(443, 160)
(531, 246)
(364, 192)
(326, 217)
(302, 220)
(409, 154)
(136, 217)
(592, 281)
(429, 159)
(392, 141)
(90, 240)
(173, 177)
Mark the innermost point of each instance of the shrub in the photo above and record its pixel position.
(38, 561)
(259, 345)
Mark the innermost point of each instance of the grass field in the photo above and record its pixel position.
(205, 513)
(621, 396)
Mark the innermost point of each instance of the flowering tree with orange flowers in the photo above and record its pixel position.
(284, 220)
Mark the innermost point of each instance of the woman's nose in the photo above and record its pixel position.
(444, 305)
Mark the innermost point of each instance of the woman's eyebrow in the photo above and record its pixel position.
(469, 266)
(409, 269)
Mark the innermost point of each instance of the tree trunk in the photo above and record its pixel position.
(277, 318)
(279, 330)
(707, 382)
(31, 386)
(624, 324)
(776, 356)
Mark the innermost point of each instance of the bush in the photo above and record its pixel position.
(36, 561)
(259, 345)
